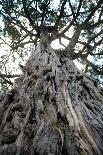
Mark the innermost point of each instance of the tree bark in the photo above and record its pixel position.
(53, 109)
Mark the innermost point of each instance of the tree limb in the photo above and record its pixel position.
(97, 23)
(61, 34)
(93, 11)
(18, 23)
(98, 69)
(80, 42)
(79, 7)
(66, 28)
(9, 75)
(74, 16)
(99, 54)
(69, 50)
(96, 35)
(61, 14)
(88, 46)
(7, 81)
(28, 16)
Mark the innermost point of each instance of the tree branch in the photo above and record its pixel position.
(97, 44)
(79, 7)
(88, 51)
(80, 42)
(67, 27)
(61, 34)
(74, 16)
(96, 35)
(97, 23)
(9, 75)
(28, 16)
(88, 46)
(98, 69)
(69, 50)
(7, 81)
(17, 22)
(99, 53)
(93, 11)
(61, 14)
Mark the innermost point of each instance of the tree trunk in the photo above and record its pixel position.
(53, 109)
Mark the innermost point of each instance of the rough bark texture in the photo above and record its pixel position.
(53, 109)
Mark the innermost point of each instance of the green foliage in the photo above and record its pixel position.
(12, 31)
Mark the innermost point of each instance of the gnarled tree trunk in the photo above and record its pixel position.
(53, 109)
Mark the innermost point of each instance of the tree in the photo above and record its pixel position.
(53, 107)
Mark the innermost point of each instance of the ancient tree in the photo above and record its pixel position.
(53, 108)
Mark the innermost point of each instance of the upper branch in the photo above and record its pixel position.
(93, 11)
(9, 75)
(88, 51)
(70, 48)
(66, 29)
(16, 22)
(7, 81)
(61, 13)
(79, 7)
(71, 7)
(97, 68)
(93, 38)
(28, 16)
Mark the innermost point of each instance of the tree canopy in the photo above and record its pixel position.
(22, 22)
